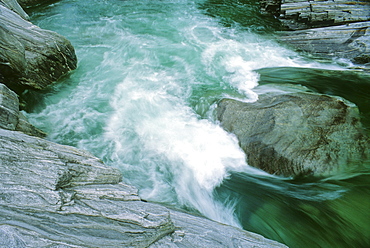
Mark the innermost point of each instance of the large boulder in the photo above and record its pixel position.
(297, 134)
(31, 57)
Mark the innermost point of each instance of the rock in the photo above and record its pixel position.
(9, 111)
(31, 57)
(351, 41)
(297, 133)
(326, 28)
(10, 116)
(307, 14)
(304, 14)
(14, 6)
(68, 196)
(54, 195)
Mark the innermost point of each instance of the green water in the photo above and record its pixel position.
(142, 99)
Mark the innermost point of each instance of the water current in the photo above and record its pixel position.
(142, 98)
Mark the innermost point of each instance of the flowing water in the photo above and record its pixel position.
(149, 75)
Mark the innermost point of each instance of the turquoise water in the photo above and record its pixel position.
(149, 75)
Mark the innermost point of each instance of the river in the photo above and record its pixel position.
(149, 76)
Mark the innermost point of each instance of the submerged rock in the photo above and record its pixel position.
(31, 57)
(297, 133)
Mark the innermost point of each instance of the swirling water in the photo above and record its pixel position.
(149, 75)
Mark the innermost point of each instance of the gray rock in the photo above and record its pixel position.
(307, 14)
(31, 57)
(9, 108)
(326, 28)
(59, 196)
(14, 6)
(10, 117)
(351, 41)
(297, 133)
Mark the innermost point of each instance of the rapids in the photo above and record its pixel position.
(149, 75)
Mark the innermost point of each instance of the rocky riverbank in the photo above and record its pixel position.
(330, 29)
(55, 195)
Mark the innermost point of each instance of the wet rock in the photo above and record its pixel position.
(31, 57)
(297, 133)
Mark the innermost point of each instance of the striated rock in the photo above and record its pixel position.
(351, 41)
(54, 195)
(307, 14)
(48, 189)
(303, 14)
(326, 28)
(297, 133)
(14, 6)
(10, 117)
(31, 57)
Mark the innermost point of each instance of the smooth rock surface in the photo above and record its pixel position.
(297, 133)
(31, 57)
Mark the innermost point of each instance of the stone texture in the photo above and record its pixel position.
(297, 133)
(351, 41)
(14, 6)
(10, 117)
(327, 28)
(54, 195)
(308, 14)
(31, 57)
